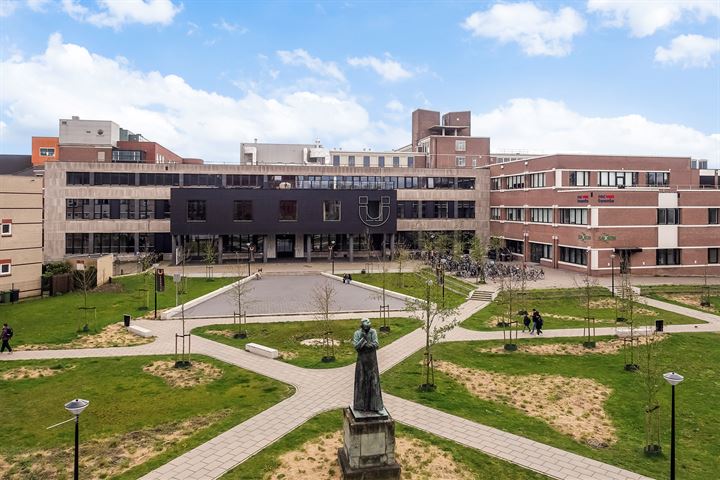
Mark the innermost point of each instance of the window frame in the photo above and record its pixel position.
(280, 210)
(713, 251)
(237, 203)
(40, 151)
(665, 218)
(716, 213)
(460, 161)
(6, 225)
(7, 265)
(187, 211)
(338, 204)
(460, 145)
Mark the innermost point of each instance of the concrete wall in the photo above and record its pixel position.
(75, 131)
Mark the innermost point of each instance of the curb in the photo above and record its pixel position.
(372, 288)
(171, 312)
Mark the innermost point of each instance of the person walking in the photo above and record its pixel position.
(539, 324)
(7, 334)
(535, 316)
(526, 321)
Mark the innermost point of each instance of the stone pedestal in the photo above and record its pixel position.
(369, 447)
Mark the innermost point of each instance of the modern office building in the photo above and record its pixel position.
(21, 217)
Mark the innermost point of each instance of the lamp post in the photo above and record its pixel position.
(251, 248)
(76, 407)
(673, 379)
(612, 271)
(332, 255)
(155, 267)
(442, 279)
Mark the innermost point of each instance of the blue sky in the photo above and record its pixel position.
(596, 76)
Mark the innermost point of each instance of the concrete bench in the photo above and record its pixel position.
(137, 330)
(262, 350)
(636, 332)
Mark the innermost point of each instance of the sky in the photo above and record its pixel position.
(200, 77)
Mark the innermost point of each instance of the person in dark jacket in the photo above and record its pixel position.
(539, 324)
(535, 316)
(526, 322)
(6, 335)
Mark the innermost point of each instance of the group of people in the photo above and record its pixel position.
(7, 334)
(347, 278)
(536, 320)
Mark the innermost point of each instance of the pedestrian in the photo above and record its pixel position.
(345, 278)
(7, 334)
(539, 324)
(526, 321)
(349, 278)
(535, 316)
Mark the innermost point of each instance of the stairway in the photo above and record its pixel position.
(482, 295)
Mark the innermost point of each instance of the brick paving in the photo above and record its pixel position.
(321, 390)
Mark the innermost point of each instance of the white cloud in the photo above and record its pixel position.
(395, 106)
(67, 79)
(230, 27)
(8, 7)
(37, 5)
(537, 31)
(546, 126)
(646, 17)
(389, 69)
(192, 29)
(300, 57)
(689, 51)
(115, 14)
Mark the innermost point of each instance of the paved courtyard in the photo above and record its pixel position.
(292, 294)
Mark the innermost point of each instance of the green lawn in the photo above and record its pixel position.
(286, 337)
(694, 355)
(480, 465)
(414, 284)
(571, 303)
(685, 295)
(58, 319)
(123, 398)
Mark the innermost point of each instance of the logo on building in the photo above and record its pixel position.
(584, 237)
(374, 213)
(583, 198)
(606, 237)
(606, 198)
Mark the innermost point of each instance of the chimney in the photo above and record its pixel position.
(75, 117)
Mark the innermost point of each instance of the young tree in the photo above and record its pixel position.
(437, 321)
(241, 300)
(322, 301)
(628, 306)
(478, 254)
(651, 375)
(209, 255)
(496, 243)
(85, 278)
(145, 262)
(402, 255)
(507, 297)
(587, 286)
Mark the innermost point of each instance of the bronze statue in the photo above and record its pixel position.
(367, 396)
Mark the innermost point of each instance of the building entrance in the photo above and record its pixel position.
(285, 246)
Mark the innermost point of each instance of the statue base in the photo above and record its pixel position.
(368, 447)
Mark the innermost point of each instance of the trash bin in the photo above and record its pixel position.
(659, 325)
(14, 295)
(5, 297)
(126, 320)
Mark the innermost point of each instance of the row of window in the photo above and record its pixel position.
(331, 182)
(110, 209)
(435, 209)
(365, 161)
(242, 211)
(579, 216)
(582, 179)
(79, 243)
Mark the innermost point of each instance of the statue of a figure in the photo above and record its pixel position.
(367, 396)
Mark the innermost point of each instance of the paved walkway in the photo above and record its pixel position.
(321, 390)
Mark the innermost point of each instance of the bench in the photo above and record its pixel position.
(636, 332)
(262, 350)
(137, 330)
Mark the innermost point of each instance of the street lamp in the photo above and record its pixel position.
(251, 249)
(442, 279)
(332, 255)
(76, 407)
(155, 271)
(612, 270)
(673, 379)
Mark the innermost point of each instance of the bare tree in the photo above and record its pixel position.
(402, 255)
(145, 261)
(651, 375)
(241, 300)
(478, 254)
(437, 321)
(587, 287)
(628, 306)
(322, 301)
(495, 244)
(508, 298)
(210, 255)
(85, 277)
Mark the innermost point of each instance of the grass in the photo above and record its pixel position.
(477, 463)
(664, 293)
(58, 320)
(694, 355)
(123, 399)
(414, 284)
(286, 337)
(570, 302)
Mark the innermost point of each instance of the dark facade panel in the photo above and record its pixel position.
(361, 211)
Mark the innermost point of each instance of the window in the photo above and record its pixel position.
(202, 180)
(440, 209)
(515, 214)
(78, 178)
(713, 254)
(411, 162)
(578, 256)
(127, 209)
(713, 216)
(516, 181)
(162, 209)
(102, 209)
(146, 209)
(396, 162)
(381, 161)
(113, 242)
(117, 178)
(336, 160)
(495, 184)
(196, 210)
(618, 179)
(162, 179)
(668, 216)
(128, 156)
(537, 180)
(331, 210)
(6, 228)
(77, 243)
(366, 161)
(351, 161)
(460, 161)
(465, 209)
(494, 213)
(540, 250)
(288, 211)
(541, 215)
(5, 268)
(658, 179)
(667, 256)
(459, 145)
(515, 246)
(579, 179)
(574, 216)
(464, 183)
(244, 181)
(242, 211)
(47, 152)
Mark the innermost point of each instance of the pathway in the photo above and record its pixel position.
(321, 390)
